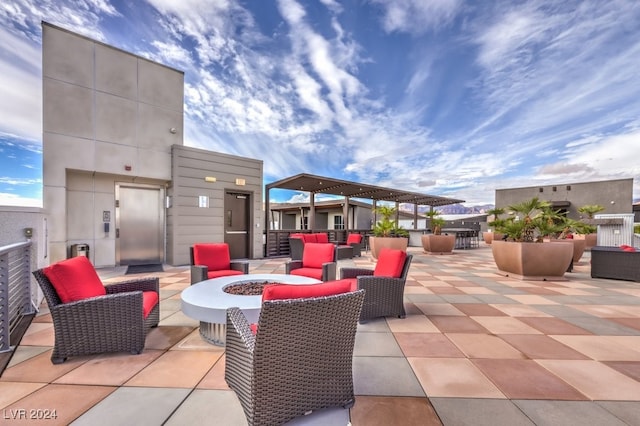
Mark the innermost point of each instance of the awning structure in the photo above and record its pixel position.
(325, 185)
(330, 186)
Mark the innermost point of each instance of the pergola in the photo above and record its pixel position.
(330, 186)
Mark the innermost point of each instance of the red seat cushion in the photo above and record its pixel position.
(292, 291)
(149, 301)
(629, 249)
(322, 238)
(390, 263)
(75, 279)
(308, 272)
(315, 254)
(354, 238)
(214, 256)
(223, 273)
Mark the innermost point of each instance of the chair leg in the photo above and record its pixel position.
(58, 360)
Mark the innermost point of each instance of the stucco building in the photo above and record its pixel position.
(616, 196)
(116, 174)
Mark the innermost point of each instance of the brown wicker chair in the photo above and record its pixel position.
(384, 295)
(110, 323)
(212, 260)
(299, 360)
(318, 261)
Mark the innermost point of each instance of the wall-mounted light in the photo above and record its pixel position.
(210, 179)
(240, 182)
(127, 167)
(173, 130)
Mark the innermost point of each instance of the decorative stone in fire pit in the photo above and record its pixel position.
(248, 288)
(207, 301)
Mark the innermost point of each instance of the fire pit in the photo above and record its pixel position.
(208, 301)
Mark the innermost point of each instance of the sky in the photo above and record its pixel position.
(452, 98)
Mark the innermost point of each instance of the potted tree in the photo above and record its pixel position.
(566, 231)
(489, 236)
(436, 243)
(590, 236)
(387, 233)
(524, 254)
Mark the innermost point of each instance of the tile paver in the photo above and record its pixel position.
(476, 348)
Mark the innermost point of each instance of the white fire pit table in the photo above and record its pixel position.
(207, 302)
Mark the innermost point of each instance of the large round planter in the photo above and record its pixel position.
(591, 240)
(532, 261)
(438, 244)
(378, 243)
(579, 245)
(489, 236)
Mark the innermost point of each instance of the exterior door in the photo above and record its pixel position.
(139, 224)
(237, 224)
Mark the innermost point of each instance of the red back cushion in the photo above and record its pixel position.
(322, 238)
(296, 236)
(310, 238)
(315, 254)
(292, 291)
(75, 279)
(390, 263)
(354, 238)
(213, 256)
(624, 246)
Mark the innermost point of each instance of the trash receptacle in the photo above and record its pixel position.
(80, 250)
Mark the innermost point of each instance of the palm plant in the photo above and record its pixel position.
(523, 229)
(387, 227)
(495, 212)
(435, 221)
(590, 209)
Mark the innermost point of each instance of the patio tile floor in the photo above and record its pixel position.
(475, 348)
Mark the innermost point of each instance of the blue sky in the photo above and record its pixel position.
(445, 97)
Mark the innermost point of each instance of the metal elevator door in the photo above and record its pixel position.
(236, 224)
(139, 224)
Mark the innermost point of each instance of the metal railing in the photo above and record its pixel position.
(15, 289)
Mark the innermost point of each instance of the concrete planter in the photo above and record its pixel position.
(532, 261)
(488, 237)
(591, 240)
(438, 244)
(378, 243)
(579, 245)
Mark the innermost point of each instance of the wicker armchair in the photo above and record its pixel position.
(213, 261)
(296, 246)
(110, 323)
(384, 294)
(318, 261)
(300, 358)
(355, 241)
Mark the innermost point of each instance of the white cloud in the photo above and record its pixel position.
(8, 199)
(417, 16)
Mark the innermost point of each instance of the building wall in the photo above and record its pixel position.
(14, 221)
(186, 222)
(89, 195)
(616, 196)
(108, 116)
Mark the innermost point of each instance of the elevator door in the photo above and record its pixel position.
(139, 224)
(236, 224)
